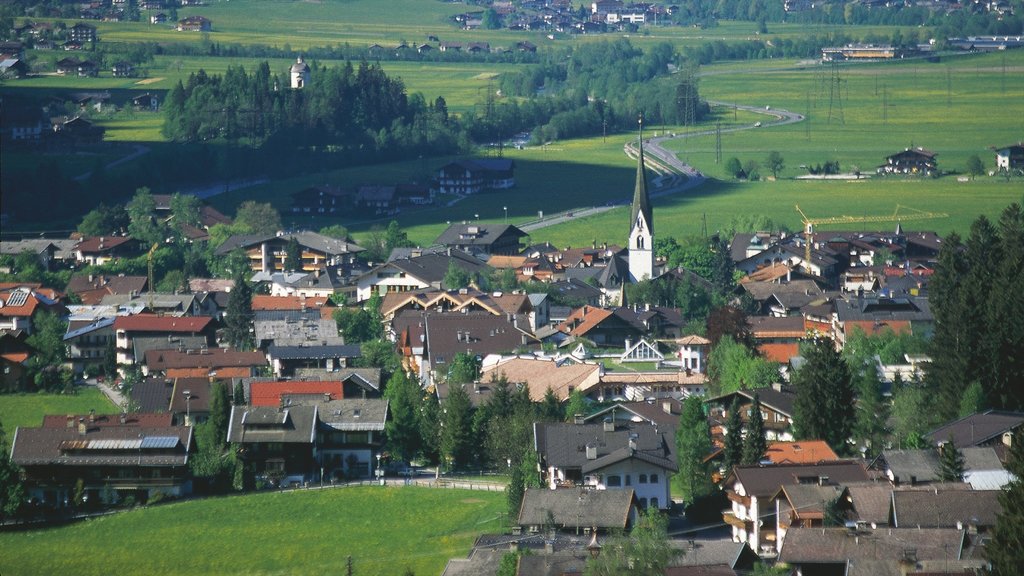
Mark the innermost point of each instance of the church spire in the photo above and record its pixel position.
(641, 201)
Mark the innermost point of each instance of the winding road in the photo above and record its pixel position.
(667, 164)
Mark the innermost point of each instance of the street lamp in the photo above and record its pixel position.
(380, 473)
(505, 208)
(188, 407)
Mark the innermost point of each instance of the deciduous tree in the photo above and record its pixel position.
(646, 551)
(774, 163)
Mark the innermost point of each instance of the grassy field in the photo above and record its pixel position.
(29, 409)
(308, 532)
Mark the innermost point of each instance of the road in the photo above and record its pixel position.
(672, 181)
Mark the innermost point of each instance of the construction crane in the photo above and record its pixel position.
(149, 261)
(809, 224)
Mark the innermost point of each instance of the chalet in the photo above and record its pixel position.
(122, 69)
(422, 269)
(379, 199)
(776, 409)
(602, 326)
(49, 251)
(351, 436)
(125, 453)
(778, 338)
(752, 488)
(462, 300)
(195, 24)
(267, 252)
(321, 200)
(893, 551)
(989, 428)
(286, 359)
(146, 102)
(88, 342)
(14, 354)
(916, 161)
(67, 66)
(576, 510)
(76, 130)
(203, 363)
(83, 33)
(876, 315)
(128, 328)
(541, 375)
(13, 68)
(20, 303)
(1010, 158)
(805, 506)
(465, 177)
(277, 442)
(483, 238)
(158, 18)
(92, 288)
(318, 285)
(608, 456)
(658, 385)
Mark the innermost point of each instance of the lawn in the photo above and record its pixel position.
(384, 530)
(29, 409)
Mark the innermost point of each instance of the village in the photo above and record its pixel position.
(774, 409)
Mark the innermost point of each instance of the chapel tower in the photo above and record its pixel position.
(641, 232)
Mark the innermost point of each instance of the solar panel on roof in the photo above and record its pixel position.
(115, 444)
(17, 298)
(159, 442)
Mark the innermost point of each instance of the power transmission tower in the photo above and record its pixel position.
(807, 117)
(835, 95)
(718, 143)
(885, 105)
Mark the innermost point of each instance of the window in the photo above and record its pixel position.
(642, 479)
(643, 502)
(629, 480)
(654, 478)
(615, 481)
(654, 502)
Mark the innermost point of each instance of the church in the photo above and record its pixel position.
(641, 232)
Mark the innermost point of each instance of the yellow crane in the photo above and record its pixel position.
(149, 261)
(896, 216)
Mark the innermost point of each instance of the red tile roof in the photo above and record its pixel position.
(154, 323)
(269, 393)
(96, 244)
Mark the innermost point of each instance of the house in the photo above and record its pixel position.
(294, 327)
(203, 363)
(124, 453)
(378, 199)
(782, 298)
(128, 328)
(858, 52)
(776, 409)
(973, 509)
(122, 69)
(982, 467)
(321, 200)
(195, 24)
(285, 360)
(602, 326)
(608, 456)
(99, 250)
(273, 393)
(488, 239)
(20, 303)
(146, 102)
(418, 271)
(351, 436)
(874, 315)
(873, 552)
(693, 352)
(158, 18)
(541, 375)
(14, 354)
(267, 252)
(82, 32)
(751, 489)
(657, 385)
(278, 443)
(66, 66)
(577, 510)
(92, 288)
(805, 506)
(299, 74)
(1009, 158)
(87, 342)
(917, 161)
(464, 177)
(778, 338)
(13, 68)
(988, 428)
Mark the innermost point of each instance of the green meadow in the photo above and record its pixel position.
(384, 530)
(29, 409)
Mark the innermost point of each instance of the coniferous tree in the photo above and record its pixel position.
(824, 405)
(951, 462)
(755, 445)
(1006, 549)
(693, 444)
(403, 428)
(456, 428)
(733, 451)
(12, 492)
(577, 405)
(238, 397)
(872, 411)
(1005, 337)
(947, 371)
(238, 317)
(293, 255)
(550, 407)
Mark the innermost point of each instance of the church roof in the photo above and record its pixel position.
(641, 200)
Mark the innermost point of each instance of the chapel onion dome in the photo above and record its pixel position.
(300, 66)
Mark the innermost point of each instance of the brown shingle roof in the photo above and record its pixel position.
(602, 509)
(764, 481)
(945, 508)
(539, 375)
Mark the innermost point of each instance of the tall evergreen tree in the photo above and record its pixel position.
(12, 492)
(951, 462)
(293, 255)
(950, 354)
(693, 444)
(824, 405)
(1005, 337)
(733, 451)
(1006, 549)
(220, 412)
(403, 428)
(550, 407)
(238, 397)
(872, 411)
(238, 317)
(755, 445)
(456, 428)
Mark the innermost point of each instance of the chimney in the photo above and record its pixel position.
(577, 418)
(591, 452)
(777, 386)
(632, 442)
(124, 418)
(327, 397)
(92, 416)
(71, 421)
(822, 480)
(666, 406)
(609, 425)
(82, 427)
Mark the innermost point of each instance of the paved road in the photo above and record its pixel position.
(114, 396)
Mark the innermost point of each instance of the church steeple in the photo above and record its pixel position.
(641, 232)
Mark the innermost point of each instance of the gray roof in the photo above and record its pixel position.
(306, 239)
(293, 424)
(286, 315)
(171, 342)
(793, 294)
(875, 309)
(565, 445)
(809, 497)
(978, 429)
(316, 351)
(153, 394)
(354, 413)
(945, 508)
(104, 445)
(92, 327)
(572, 508)
(778, 400)
(152, 300)
(835, 545)
(912, 465)
(312, 329)
(715, 552)
(871, 502)
(431, 268)
(482, 235)
(764, 481)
